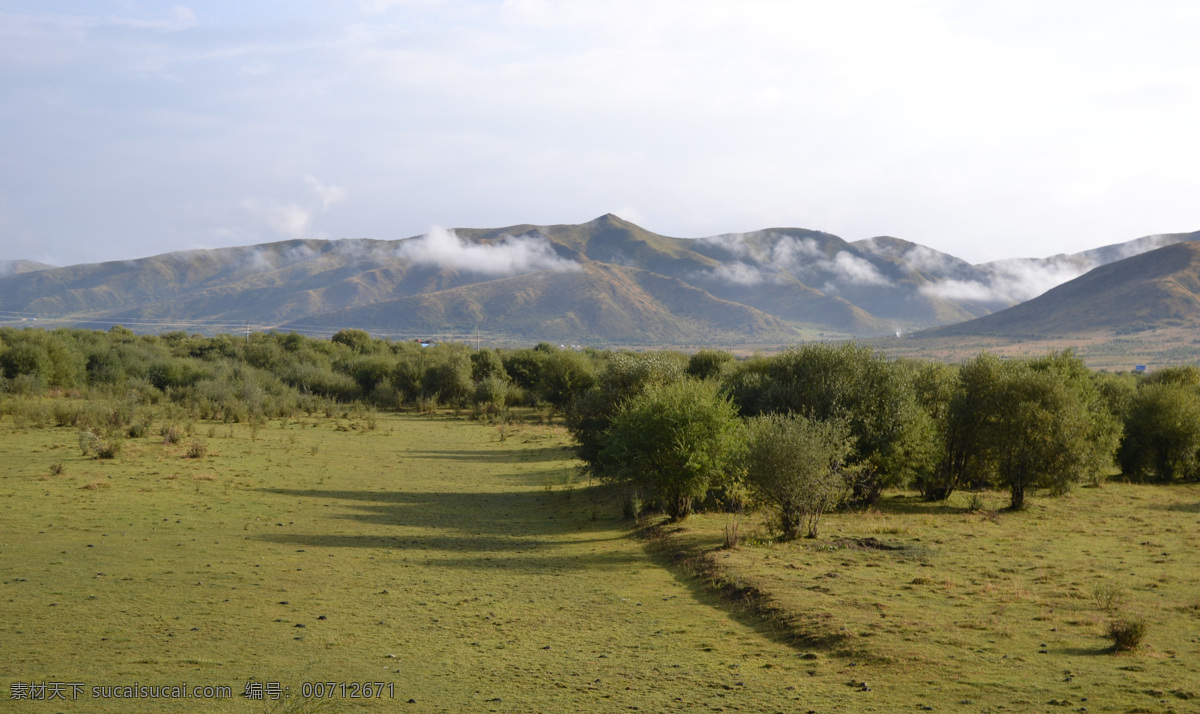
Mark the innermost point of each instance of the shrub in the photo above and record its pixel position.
(450, 380)
(170, 434)
(486, 363)
(674, 443)
(708, 364)
(197, 449)
(87, 442)
(565, 375)
(733, 534)
(357, 340)
(1126, 633)
(796, 467)
(57, 468)
(624, 377)
(1162, 433)
(491, 395)
(894, 438)
(1108, 596)
(1032, 423)
(109, 448)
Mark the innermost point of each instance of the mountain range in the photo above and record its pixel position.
(603, 282)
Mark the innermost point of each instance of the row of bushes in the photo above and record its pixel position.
(274, 374)
(681, 430)
(806, 429)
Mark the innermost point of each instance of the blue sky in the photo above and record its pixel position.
(983, 129)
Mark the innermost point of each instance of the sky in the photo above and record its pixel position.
(986, 130)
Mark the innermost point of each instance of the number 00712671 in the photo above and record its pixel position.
(348, 690)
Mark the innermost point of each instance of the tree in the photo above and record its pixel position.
(962, 449)
(894, 438)
(1045, 425)
(449, 377)
(26, 358)
(707, 364)
(796, 466)
(486, 363)
(674, 443)
(357, 340)
(565, 375)
(1162, 433)
(624, 377)
(524, 367)
(936, 386)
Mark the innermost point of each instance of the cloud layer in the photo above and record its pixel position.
(511, 255)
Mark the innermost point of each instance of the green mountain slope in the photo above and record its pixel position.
(607, 280)
(601, 302)
(1153, 290)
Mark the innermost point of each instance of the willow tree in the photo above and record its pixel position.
(674, 442)
(796, 467)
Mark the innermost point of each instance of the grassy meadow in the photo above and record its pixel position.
(465, 567)
(960, 606)
(448, 558)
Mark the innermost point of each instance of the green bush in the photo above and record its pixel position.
(624, 377)
(674, 443)
(1126, 633)
(708, 364)
(895, 440)
(491, 395)
(197, 449)
(796, 468)
(1162, 433)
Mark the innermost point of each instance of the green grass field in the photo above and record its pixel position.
(457, 564)
(940, 606)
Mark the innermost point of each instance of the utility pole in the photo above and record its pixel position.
(247, 328)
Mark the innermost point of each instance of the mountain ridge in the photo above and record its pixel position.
(607, 280)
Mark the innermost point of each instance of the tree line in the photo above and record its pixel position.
(799, 432)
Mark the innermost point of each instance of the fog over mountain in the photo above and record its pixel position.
(603, 282)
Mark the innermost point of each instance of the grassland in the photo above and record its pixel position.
(1104, 350)
(974, 609)
(442, 556)
(459, 563)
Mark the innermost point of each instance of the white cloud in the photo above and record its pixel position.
(795, 253)
(287, 219)
(185, 15)
(732, 243)
(1009, 282)
(329, 195)
(736, 273)
(855, 270)
(805, 256)
(510, 255)
(293, 219)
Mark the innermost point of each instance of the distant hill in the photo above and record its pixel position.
(607, 281)
(1154, 290)
(13, 267)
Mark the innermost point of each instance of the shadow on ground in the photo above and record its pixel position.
(467, 529)
(507, 456)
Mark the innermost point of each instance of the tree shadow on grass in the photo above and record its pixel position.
(494, 455)
(915, 505)
(709, 584)
(1083, 651)
(502, 529)
(1181, 507)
